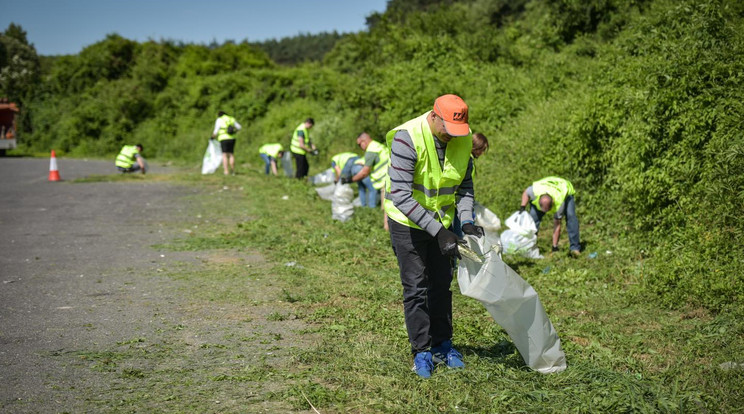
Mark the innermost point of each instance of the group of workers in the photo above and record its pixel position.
(370, 171)
(424, 174)
(130, 157)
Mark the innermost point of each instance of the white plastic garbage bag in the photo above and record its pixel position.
(287, 164)
(521, 237)
(212, 157)
(491, 226)
(326, 192)
(522, 223)
(513, 304)
(486, 218)
(342, 206)
(326, 177)
(515, 243)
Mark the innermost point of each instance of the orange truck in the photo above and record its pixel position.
(8, 134)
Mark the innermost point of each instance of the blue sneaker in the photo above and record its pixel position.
(422, 364)
(444, 353)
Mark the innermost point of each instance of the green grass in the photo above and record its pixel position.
(624, 352)
(279, 251)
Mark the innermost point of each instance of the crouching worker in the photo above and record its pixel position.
(554, 195)
(371, 173)
(342, 164)
(430, 172)
(130, 160)
(270, 153)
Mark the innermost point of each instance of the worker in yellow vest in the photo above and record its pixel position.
(554, 195)
(130, 159)
(342, 165)
(225, 128)
(300, 145)
(270, 153)
(430, 174)
(371, 173)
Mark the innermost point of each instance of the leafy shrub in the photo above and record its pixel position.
(637, 103)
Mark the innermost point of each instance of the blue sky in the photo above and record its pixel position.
(67, 26)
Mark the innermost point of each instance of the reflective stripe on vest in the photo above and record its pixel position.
(222, 134)
(126, 158)
(379, 172)
(272, 150)
(294, 145)
(557, 188)
(433, 187)
(342, 158)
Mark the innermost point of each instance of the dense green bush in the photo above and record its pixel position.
(655, 136)
(638, 103)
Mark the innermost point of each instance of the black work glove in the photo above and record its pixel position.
(346, 180)
(554, 249)
(473, 230)
(448, 243)
(521, 209)
(314, 152)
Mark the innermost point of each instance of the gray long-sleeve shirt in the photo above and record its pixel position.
(402, 166)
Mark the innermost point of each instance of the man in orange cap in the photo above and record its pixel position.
(430, 178)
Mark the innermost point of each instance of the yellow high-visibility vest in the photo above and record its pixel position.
(126, 157)
(342, 158)
(433, 187)
(557, 188)
(272, 150)
(222, 134)
(294, 146)
(379, 172)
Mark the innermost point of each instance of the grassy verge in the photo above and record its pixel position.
(624, 352)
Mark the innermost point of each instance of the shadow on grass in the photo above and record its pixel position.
(504, 353)
(521, 264)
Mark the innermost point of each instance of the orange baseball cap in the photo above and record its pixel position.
(454, 111)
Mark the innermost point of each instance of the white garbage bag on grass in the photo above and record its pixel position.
(521, 237)
(287, 164)
(513, 304)
(212, 157)
(515, 243)
(342, 206)
(326, 193)
(326, 177)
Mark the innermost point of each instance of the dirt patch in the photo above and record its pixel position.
(584, 342)
(232, 257)
(696, 314)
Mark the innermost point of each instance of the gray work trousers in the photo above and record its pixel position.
(426, 276)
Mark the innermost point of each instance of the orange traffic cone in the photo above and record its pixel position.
(53, 172)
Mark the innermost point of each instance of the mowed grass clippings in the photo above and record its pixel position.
(340, 280)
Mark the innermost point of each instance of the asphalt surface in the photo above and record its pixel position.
(76, 261)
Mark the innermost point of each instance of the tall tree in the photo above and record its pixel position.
(19, 64)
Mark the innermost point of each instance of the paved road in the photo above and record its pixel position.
(73, 264)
